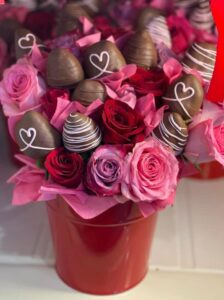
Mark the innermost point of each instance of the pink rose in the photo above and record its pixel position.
(206, 136)
(105, 170)
(21, 88)
(3, 56)
(151, 172)
(206, 143)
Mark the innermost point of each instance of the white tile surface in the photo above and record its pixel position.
(42, 283)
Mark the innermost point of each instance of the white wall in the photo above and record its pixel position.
(189, 235)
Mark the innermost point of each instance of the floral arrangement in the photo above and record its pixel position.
(104, 114)
(22, 14)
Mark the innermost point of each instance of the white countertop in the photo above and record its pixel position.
(42, 283)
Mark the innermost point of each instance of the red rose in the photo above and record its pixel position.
(182, 33)
(153, 81)
(103, 25)
(122, 124)
(41, 23)
(49, 100)
(65, 168)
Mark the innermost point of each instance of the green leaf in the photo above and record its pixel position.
(40, 163)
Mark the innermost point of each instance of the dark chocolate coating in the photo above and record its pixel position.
(146, 15)
(68, 18)
(188, 90)
(102, 59)
(34, 130)
(172, 131)
(91, 8)
(201, 17)
(63, 69)
(8, 28)
(140, 50)
(89, 90)
(185, 4)
(25, 38)
(202, 57)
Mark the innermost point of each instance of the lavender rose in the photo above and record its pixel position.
(105, 170)
(21, 88)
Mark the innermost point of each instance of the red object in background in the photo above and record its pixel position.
(211, 170)
(2, 1)
(41, 23)
(106, 255)
(216, 89)
(215, 93)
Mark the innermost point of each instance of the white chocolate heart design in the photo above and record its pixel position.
(184, 90)
(31, 134)
(180, 100)
(100, 57)
(28, 38)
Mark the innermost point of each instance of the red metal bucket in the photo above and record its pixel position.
(106, 255)
(212, 170)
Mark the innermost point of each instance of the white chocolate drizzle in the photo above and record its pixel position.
(104, 55)
(159, 31)
(30, 133)
(179, 99)
(208, 54)
(89, 3)
(80, 134)
(29, 37)
(185, 3)
(167, 135)
(201, 17)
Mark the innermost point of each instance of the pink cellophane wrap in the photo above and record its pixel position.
(205, 135)
(146, 107)
(173, 69)
(148, 209)
(31, 186)
(119, 91)
(38, 59)
(65, 107)
(27, 182)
